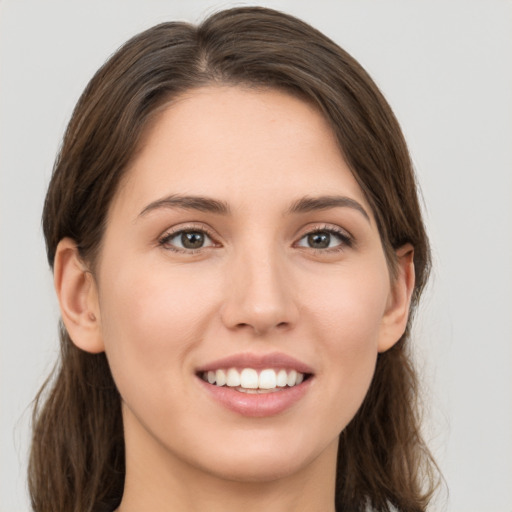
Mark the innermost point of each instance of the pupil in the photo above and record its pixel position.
(319, 240)
(192, 239)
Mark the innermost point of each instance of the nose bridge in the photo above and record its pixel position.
(259, 289)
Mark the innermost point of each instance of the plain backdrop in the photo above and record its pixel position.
(445, 67)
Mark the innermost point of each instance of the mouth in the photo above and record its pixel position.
(254, 381)
(256, 385)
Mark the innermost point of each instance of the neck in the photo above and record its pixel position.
(156, 480)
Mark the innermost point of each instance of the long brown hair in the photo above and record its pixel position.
(77, 458)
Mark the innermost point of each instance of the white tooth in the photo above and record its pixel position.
(268, 379)
(249, 378)
(282, 378)
(220, 377)
(233, 378)
(300, 378)
(292, 377)
(211, 377)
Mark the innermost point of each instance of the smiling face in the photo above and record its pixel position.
(240, 255)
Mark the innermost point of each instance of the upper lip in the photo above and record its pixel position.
(258, 362)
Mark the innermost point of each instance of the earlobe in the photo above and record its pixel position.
(394, 321)
(78, 297)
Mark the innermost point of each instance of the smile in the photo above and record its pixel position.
(256, 385)
(250, 380)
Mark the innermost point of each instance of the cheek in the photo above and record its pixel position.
(348, 307)
(151, 321)
(347, 318)
(149, 301)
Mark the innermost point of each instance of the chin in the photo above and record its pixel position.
(265, 461)
(259, 470)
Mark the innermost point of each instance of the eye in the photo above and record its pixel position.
(186, 240)
(322, 239)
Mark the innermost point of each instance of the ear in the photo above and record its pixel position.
(78, 297)
(396, 315)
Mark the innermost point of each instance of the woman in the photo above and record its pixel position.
(237, 248)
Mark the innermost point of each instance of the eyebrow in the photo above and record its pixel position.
(203, 204)
(209, 205)
(309, 204)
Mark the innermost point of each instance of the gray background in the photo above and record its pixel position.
(445, 68)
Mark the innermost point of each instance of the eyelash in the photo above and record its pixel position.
(346, 240)
(164, 241)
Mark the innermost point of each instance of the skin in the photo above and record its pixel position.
(257, 287)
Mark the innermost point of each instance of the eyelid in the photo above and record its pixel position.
(176, 230)
(347, 240)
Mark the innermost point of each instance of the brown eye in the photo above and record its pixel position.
(319, 240)
(325, 239)
(192, 239)
(186, 240)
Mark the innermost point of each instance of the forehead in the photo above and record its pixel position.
(231, 142)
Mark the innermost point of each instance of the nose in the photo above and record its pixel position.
(259, 294)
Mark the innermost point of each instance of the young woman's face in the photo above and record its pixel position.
(240, 248)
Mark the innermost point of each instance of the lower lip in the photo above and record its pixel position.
(257, 405)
